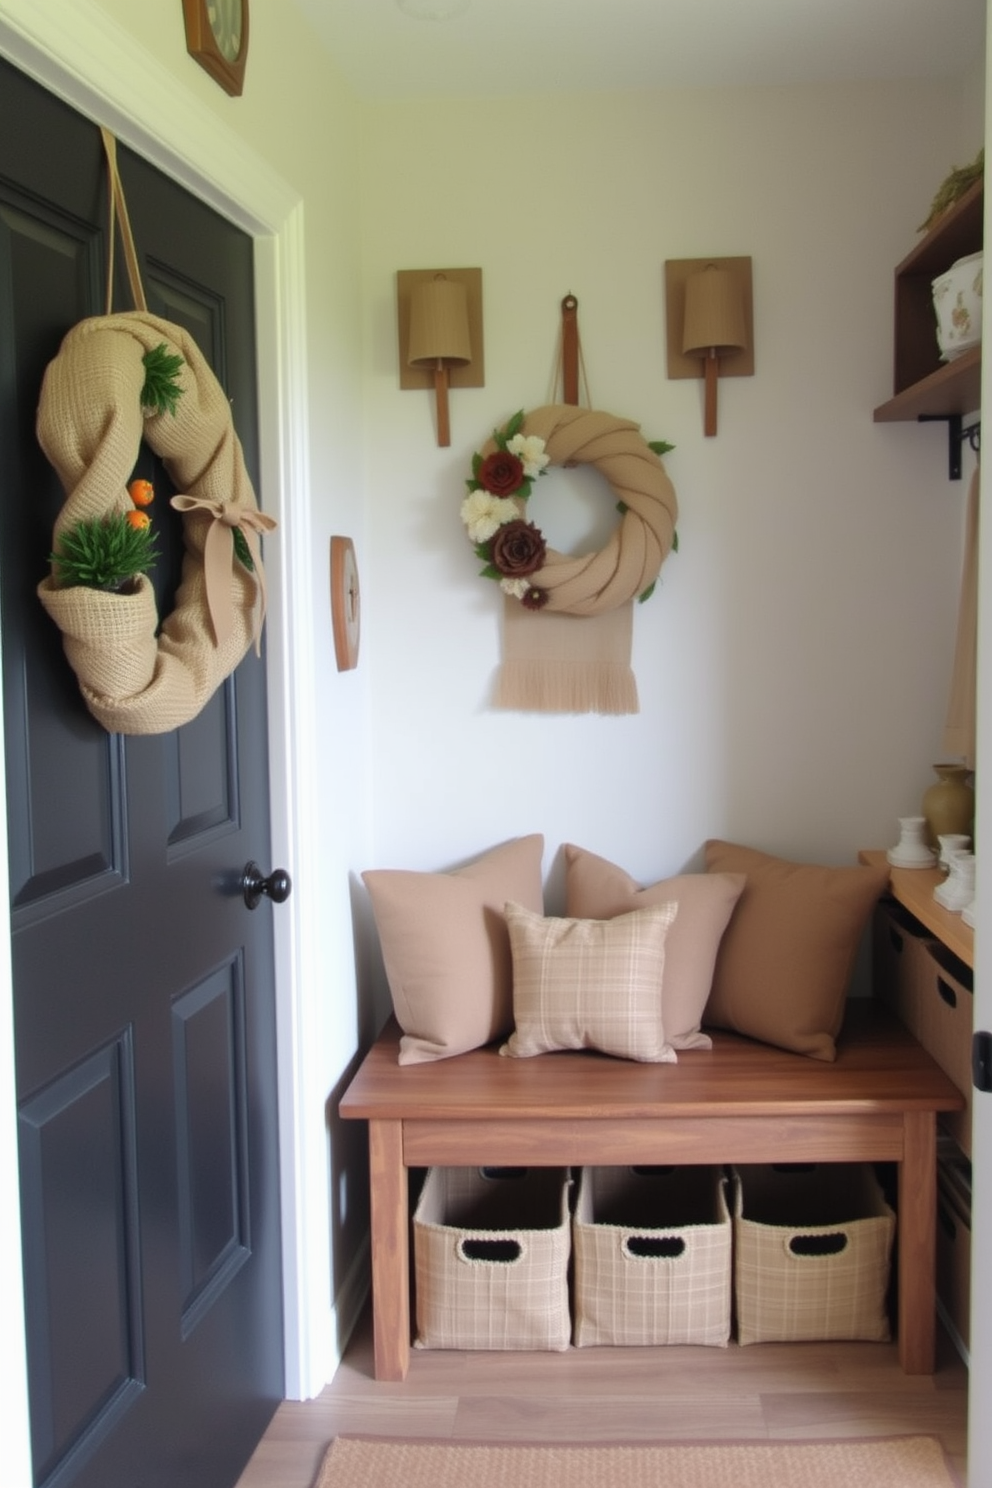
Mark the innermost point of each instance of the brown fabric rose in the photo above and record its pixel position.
(518, 549)
(501, 473)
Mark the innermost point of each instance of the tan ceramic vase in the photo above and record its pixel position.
(949, 804)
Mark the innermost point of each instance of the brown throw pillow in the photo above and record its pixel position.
(446, 949)
(589, 984)
(598, 890)
(785, 961)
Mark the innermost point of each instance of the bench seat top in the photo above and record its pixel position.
(880, 1069)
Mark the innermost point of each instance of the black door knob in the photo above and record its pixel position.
(254, 884)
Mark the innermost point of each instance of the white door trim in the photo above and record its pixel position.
(81, 55)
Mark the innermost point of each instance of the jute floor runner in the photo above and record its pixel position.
(896, 1462)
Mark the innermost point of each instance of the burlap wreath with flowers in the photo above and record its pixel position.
(90, 425)
(568, 620)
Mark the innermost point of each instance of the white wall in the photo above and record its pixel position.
(793, 663)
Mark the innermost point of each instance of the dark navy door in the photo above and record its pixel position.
(143, 985)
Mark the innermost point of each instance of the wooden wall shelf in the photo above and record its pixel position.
(924, 387)
(913, 888)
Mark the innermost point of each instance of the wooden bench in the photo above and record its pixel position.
(741, 1102)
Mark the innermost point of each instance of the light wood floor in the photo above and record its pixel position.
(767, 1390)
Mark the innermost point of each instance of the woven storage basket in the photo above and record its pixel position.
(652, 1256)
(812, 1247)
(491, 1249)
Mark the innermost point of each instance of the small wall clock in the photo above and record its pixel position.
(345, 603)
(217, 36)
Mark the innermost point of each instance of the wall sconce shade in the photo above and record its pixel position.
(714, 314)
(440, 315)
(439, 323)
(709, 316)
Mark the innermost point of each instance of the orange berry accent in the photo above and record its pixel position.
(142, 492)
(139, 519)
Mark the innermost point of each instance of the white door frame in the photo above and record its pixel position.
(81, 55)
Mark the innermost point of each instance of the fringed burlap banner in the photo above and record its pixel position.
(566, 663)
(90, 425)
(572, 654)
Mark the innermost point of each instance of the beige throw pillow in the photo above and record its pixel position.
(589, 984)
(598, 890)
(446, 949)
(785, 962)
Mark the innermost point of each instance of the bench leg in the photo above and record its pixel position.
(917, 1237)
(389, 1203)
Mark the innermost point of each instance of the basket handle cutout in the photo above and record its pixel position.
(495, 1252)
(503, 1175)
(818, 1245)
(947, 993)
(653, 1170)
(793, 1167)
(654, 1247)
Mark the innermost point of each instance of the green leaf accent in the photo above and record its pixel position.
(647, 593)
(102, 553)
(476, 467)
(482, 551)
(489, 572)
(514, 426)
(161, 391)
(675, 541)
(660, 446)
(622, 507)
(242, 549)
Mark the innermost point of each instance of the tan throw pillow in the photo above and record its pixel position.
(785, 962)
(446, 949)
(589, 984)
(598, 890)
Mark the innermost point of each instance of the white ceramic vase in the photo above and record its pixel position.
(948, 844)
(958, 889)
(911, 851)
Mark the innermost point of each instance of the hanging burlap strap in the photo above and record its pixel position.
(90, 425)
(573, 656)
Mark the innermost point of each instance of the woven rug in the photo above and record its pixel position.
(894, 1462)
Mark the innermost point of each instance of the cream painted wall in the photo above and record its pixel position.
(793, 663)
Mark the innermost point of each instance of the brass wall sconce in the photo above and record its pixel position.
(440, 334)
(710, 323)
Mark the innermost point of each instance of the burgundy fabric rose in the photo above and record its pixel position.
(518, 549)
(501, 473)
(535, 599)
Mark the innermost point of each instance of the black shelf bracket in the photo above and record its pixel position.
(957, 433)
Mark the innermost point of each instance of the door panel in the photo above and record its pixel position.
(212, 1138)
(143, 987)
(77, 1148)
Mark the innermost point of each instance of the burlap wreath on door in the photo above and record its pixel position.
(90, 425)
(568, 621)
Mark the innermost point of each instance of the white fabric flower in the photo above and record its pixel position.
(529, 450)
(483, 514)
(516, 588)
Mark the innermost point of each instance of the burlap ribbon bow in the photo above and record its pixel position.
(90, 425)
(217, 550)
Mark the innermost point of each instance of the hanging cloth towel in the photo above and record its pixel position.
(959, 730)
